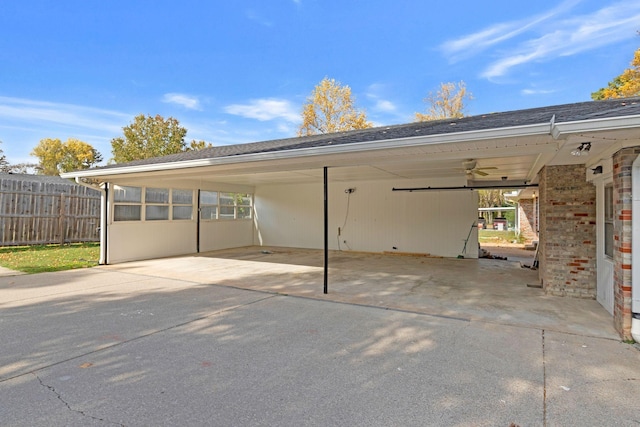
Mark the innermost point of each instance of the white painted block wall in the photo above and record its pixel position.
(129, 241)
(378, 219)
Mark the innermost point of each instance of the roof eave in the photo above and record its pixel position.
(561, 130)
(468, 136)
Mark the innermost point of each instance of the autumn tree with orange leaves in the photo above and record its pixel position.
(331, 108)
(447, 103)
(625, 85)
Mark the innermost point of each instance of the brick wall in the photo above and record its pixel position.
(567, 232)
(622, 236)
(526, 215)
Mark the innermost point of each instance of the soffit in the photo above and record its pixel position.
(511, 157)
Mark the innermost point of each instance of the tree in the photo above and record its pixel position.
(149, 137)
(625, 85)
(198, 145)
(78, 155)
(4, 164)
(491, 199)
(49, 153)
(330, 108)
(55, 156)
(448, 102)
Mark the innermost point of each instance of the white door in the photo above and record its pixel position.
(605, 284)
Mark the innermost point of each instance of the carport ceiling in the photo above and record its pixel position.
(517, 167)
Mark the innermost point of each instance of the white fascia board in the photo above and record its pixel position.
(469, 136)
(608, 123)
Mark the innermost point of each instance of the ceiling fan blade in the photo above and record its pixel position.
(479, 172)
(488, 167)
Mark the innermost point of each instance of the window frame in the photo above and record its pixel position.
(608, 217)
(168, 201)
(159, 205)
(179, 204)
(236, 207)
(205, 206)
(127, 202)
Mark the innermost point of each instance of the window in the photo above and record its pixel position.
(244, 206)
(127, 203)
(163, 204)
(235, 205)
(208, 204)
(608, 221)
(182, 201)
(227, 206)
(156, 204)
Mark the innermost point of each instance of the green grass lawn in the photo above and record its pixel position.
(42, 258)
(497, 236)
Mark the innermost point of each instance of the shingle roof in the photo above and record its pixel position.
(562, 113)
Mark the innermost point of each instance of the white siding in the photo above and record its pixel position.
(378, 219)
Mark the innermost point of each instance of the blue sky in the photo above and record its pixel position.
(239, 71)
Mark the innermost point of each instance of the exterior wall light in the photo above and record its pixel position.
(582, 150)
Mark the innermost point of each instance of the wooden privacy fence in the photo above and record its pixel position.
(41, 210)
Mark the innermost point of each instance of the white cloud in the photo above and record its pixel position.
(40, 113)
(266, 109)
(551, 36)
(473, 44)
(187, 101)
(256, 17)
(385, 106)
(536, 91)
(380, 104)
(25, 121)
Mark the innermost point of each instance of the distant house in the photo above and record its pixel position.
(408, 187)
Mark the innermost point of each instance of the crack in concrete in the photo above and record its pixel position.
(68, 405)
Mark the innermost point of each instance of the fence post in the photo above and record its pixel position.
(62, 223)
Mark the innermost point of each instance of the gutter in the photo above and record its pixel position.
(561, 130)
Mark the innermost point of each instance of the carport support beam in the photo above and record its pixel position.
(326, 231)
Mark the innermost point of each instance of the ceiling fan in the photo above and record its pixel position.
(470, 168)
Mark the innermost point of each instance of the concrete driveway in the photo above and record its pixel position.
(120, 346)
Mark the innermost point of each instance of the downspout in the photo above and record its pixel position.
(104, 197)
(635, 250)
